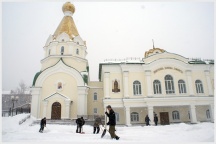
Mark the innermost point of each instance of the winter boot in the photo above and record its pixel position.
(117, 138)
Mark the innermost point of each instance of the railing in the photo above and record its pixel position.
(26, 108)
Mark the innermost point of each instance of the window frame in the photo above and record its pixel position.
(137, 88)
(95, 96)
(182, 87)
(176, 115)
(62, 50)
(157, 87)
(169, 84)
(134, 117)
(199, 87)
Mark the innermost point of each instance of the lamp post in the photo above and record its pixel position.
(14, 99)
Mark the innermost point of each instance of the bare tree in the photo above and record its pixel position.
(20, 89)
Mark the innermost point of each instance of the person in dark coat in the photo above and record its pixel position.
(97, 123)
(80, 122)
(147, 120)
(112, 122)
(42, 124)
(156, 119)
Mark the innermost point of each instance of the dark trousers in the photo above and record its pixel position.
(112, 132)
(98, 130)
(78, 130)
(41, 128)
(147, 124)
(156, 122)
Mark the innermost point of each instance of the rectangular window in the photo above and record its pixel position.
(95, 110)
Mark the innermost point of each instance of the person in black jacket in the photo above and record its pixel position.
(42, 124)
(112, 122)
(155, 119)
(80, 122)
(147, 120)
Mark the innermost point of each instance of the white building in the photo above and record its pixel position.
(170, 85)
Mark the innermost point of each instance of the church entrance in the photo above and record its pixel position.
(56, 110)
(164, 118)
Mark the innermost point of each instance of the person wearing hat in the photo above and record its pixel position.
(112, 122)
(42, 124)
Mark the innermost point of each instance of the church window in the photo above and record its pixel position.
(59, 85)
(169, 84)
(77, 51)
(182, 86)
(117, 116)
(95, 110)
(95, 96)
(208, 114)
(134, 117)
(49, 51)
(175, 115)
(137, 88)
(116, 87)
(157, 87)
(62, 50)
(199, 86)
(62, 40)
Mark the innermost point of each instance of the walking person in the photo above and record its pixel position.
(97, 123)
(112, 122)
(156, 119)
(147, 120)
(42, 124)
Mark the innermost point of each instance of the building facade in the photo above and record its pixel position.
(167, 84)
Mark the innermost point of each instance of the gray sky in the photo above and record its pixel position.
(111, 30)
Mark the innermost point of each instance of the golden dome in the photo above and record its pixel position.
(68, 7)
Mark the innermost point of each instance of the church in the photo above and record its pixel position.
(175, 88)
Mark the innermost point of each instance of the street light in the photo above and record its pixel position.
(14, 99)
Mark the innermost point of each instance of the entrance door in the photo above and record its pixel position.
(56, 110)
(164, 118)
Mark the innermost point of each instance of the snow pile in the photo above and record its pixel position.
(181, 133)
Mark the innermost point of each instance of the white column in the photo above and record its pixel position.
(193, 113)
(212, 112)
(127, 116)
(209, 85)
(67, 108)
(106, 84)
(45, 102)
(150, 114)
(82, 100)
(190, 83)
(35, 92)
(148, 82)
(125, 83)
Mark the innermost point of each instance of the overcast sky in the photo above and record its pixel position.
(111, 30)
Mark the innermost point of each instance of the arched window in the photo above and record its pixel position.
(117, 116)
(59, 85)
(169, 84)
(77, 51)
(182, 87)
(175, 115)
(157, 87)
(134, 117)
(208, 114)
(199, 86)
(95, 96)
(137, 88)
(62, 50)
(116, 87)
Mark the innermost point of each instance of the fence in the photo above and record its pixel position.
(26, 108)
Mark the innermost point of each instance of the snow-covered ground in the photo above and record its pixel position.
(174, 133)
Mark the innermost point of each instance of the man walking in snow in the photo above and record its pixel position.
(112, 122)
(147, 120)
(155, 119)
(42, 124)
(97, 123)
(80, 122)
